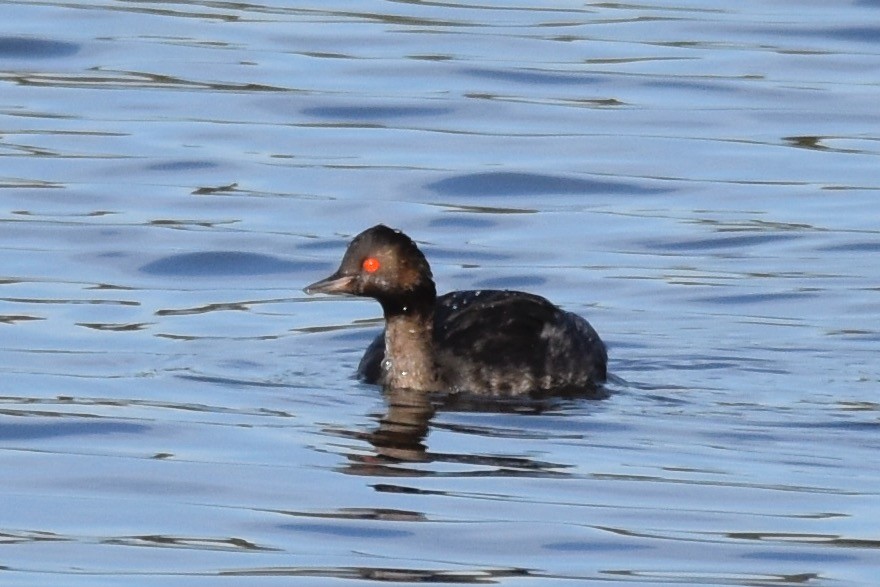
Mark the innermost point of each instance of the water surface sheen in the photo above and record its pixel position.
(698, 179)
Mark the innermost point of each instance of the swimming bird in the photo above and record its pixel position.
(485, 342)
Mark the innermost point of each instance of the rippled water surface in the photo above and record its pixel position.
(698, 179)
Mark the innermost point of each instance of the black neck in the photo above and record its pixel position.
(415, 303)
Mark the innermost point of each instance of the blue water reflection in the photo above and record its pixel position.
(217, 263)
(52, 429)
(506, 183)
(31, 48)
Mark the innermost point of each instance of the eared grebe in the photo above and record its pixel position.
(489, 342)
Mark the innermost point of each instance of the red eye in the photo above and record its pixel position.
(371, 264)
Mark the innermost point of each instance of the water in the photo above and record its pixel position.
(699, 180)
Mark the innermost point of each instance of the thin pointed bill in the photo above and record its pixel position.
(335, 284)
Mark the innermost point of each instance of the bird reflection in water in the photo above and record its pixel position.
(400, 437)
(402, 430)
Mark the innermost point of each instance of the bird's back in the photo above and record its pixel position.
(499, 342)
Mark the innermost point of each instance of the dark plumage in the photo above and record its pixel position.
(488, 342)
